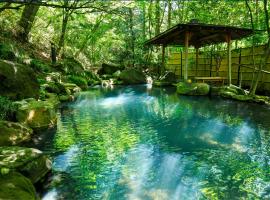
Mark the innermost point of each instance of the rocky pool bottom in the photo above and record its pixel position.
(150, 143)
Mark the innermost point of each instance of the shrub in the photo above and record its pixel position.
(78, 80)
(7, 109)
(39, 65)
(6, 52)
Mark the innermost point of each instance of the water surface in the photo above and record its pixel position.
(138, 143)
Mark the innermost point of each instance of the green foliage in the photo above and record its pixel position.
(6, 52)
(78, 80)
(7, 109)
(39, 65)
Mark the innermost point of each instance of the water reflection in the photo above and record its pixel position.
(149, 143)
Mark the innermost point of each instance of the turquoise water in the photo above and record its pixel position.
(139, 143)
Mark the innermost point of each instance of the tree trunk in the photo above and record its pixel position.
(157, 17)
(144, 22)
(169, 13)
(266, 53)
(26, 22)
(253, 58)
(132, 34)
(63, 31)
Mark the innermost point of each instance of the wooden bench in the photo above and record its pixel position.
(211, 79)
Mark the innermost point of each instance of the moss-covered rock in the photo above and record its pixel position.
(17, 81)
(72, 88)
(79, 81)
(109, 69)
(38, 115)
(66, 98)
(12, 133)
(161, 83)
(241, 97)
(54, 87)
(168, 77)
(132, 76)
(28, 161)
(193, 88)
(14, 186)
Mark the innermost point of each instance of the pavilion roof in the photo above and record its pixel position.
(201, 34)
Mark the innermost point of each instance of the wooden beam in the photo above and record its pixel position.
(186, 55)
(208, 37)
(229, 54)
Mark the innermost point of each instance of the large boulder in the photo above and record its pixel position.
(32, 163)
(38, 115)
(193, 88)
(132, 76)
(17, 81)
(109, 69)
(12, 133)
(168, 77)
(14, 186)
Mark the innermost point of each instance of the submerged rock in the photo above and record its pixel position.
(37, 114)
(132, 76)
(14, 186)
(12, 133)
(193, 88)
(17, 81)
(30, 162)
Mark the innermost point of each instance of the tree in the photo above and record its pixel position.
(26, 22)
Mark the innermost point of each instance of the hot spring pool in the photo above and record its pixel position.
(138, 143)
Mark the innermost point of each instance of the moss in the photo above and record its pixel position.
(132, 76)
(7, 109)
(16, 186)
(13, 133)
(193, 88)
(38, 114)
(6, 52)
(161, 83)
(78, 80)
(17, 81)
(28, 161)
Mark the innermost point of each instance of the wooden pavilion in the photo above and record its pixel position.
(198, 35)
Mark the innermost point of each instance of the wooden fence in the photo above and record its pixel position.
(215, 64)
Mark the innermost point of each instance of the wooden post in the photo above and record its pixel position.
(163, 60)
(197, 59)
(181, 76)
(229, 46)
(211, 62)
(239, 69)
(186, 55)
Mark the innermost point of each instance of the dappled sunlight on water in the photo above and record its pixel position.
(150, 143)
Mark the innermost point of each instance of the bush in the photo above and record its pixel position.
(39, 65)
(78, 80)
(6, 52)
(7, 109)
